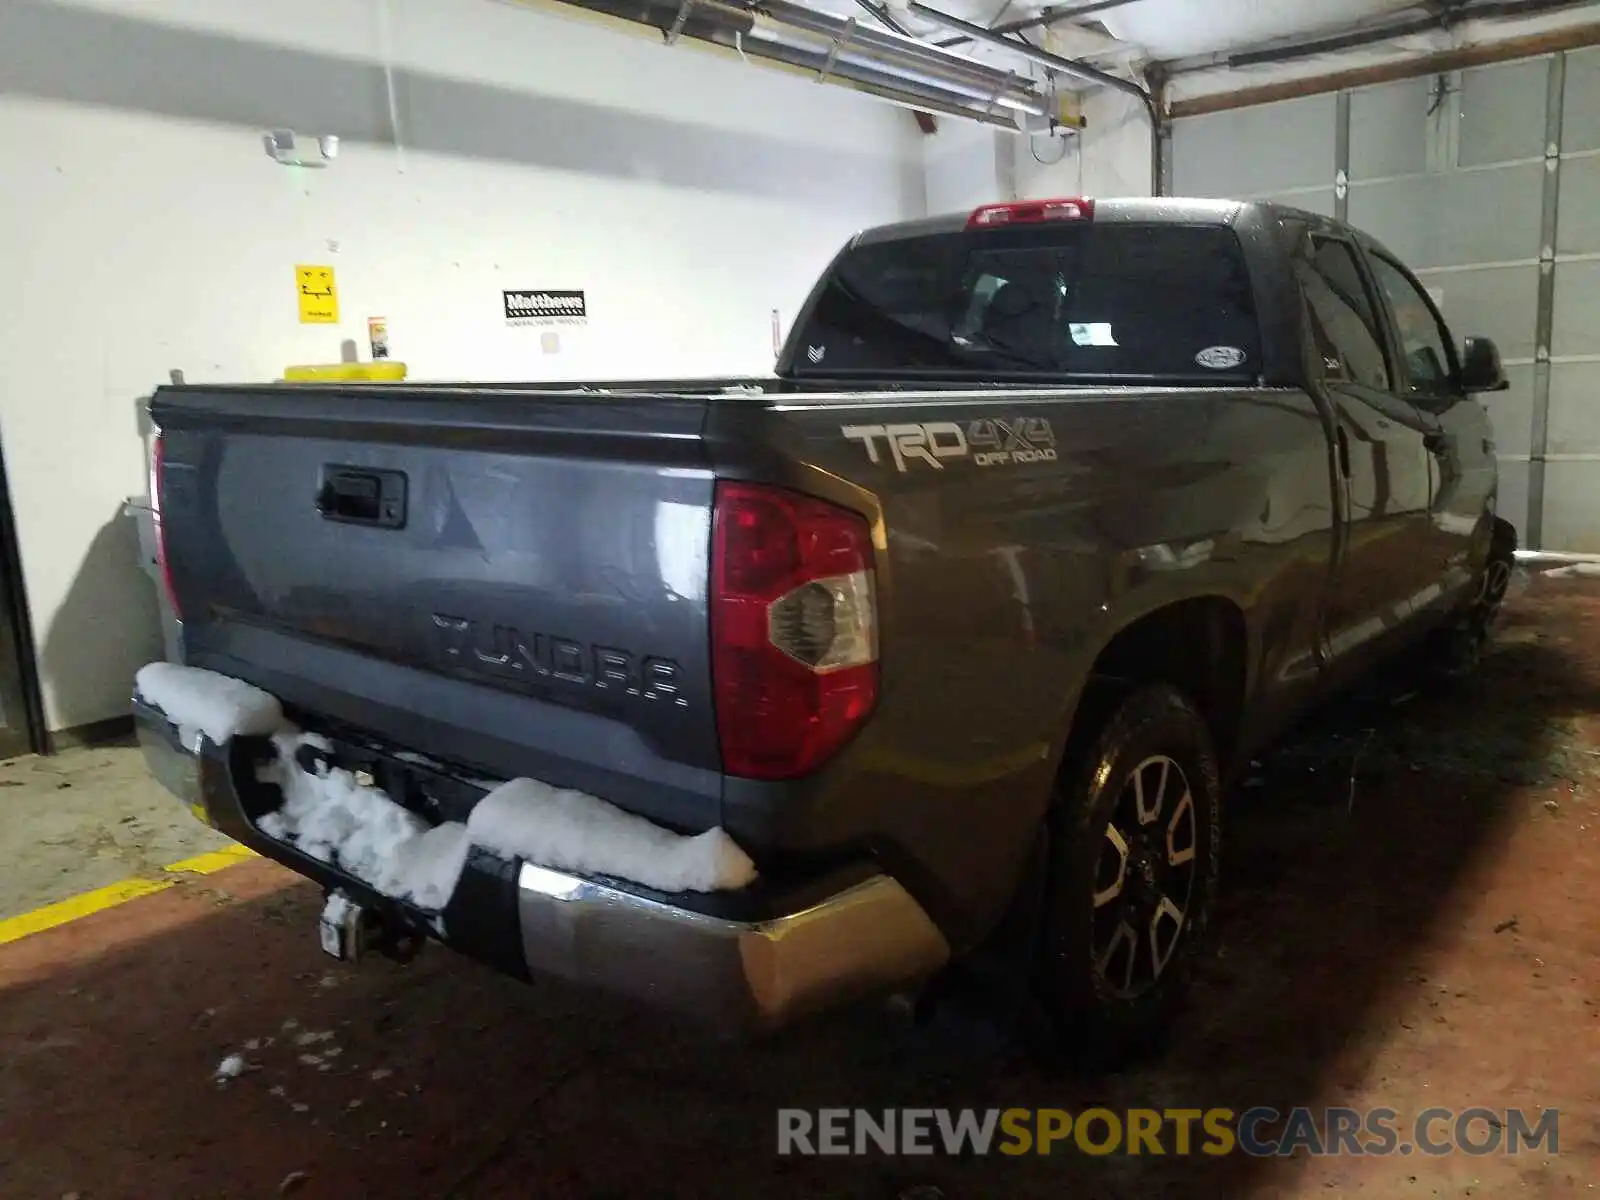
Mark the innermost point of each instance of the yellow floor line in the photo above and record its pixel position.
(74, 907)
(215, 860)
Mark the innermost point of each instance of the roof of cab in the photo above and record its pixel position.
(1177, 210)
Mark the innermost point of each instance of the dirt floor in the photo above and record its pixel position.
(1410, 920)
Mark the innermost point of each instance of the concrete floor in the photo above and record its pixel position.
(83, 819)
(1408, 920)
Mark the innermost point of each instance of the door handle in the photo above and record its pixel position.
(357, 496)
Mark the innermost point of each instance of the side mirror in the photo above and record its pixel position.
(1480, 367)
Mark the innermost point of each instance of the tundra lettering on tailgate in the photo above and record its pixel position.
(989, 443)
(509, 653)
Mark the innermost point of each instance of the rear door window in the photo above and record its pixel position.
(1086, 300)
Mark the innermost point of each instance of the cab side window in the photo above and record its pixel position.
(1424, 344)
(1344, 318)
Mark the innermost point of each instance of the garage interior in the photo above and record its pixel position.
(1410, 882)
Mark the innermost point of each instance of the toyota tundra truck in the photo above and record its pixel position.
(958, 625)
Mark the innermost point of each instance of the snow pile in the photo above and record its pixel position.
(230, 1068)
(199, 701)
(333, 817)
(328, 815)
(1589, 569)
(426, 869)
(572, 831)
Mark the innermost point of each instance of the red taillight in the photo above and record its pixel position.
(158, 456)
(1026, 212)
(794, 634)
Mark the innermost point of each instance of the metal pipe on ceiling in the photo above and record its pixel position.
(1065, 66)
(894, 88)
(882, 15)
(840, 50)
(1030, 52)
(1051, 15)
(1004, 96)
(890, 47)
(1048, 16)
(1331, 45)
(998, 98)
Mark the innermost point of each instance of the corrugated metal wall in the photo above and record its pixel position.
(1486, 182)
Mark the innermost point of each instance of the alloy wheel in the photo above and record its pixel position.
(1144, 877)
(1496, 581)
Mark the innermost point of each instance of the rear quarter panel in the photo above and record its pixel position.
(1003, 575)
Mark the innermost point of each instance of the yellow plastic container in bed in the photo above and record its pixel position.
(369, 372)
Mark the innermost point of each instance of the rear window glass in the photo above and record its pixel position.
(1097, 301)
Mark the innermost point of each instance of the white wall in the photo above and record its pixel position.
(968, 165)
(1110, 156)
(143, 228)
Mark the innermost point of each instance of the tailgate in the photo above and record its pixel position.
(514, 582)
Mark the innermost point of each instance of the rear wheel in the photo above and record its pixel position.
(1134, 852)
(1460, 646)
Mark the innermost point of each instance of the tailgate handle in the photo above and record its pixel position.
(363, 496)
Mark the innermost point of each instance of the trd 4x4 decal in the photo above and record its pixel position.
(988, 443)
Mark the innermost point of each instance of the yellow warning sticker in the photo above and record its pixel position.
(319, 295)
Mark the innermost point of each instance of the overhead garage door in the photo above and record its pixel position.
(1487, 183)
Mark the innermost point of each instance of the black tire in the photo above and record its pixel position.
(1458, 648)
(1091, 979)
(1496, 578)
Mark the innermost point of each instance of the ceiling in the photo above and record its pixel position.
(1197, 36)
(1166, 29)
(1154, 29)
(1163, 29)
(1016, 63)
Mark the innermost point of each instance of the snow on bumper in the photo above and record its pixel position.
(792, 953)
(334, 818)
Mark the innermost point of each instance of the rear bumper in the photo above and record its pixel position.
(812, 946)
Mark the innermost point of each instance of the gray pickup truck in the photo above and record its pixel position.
(1051, 515)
